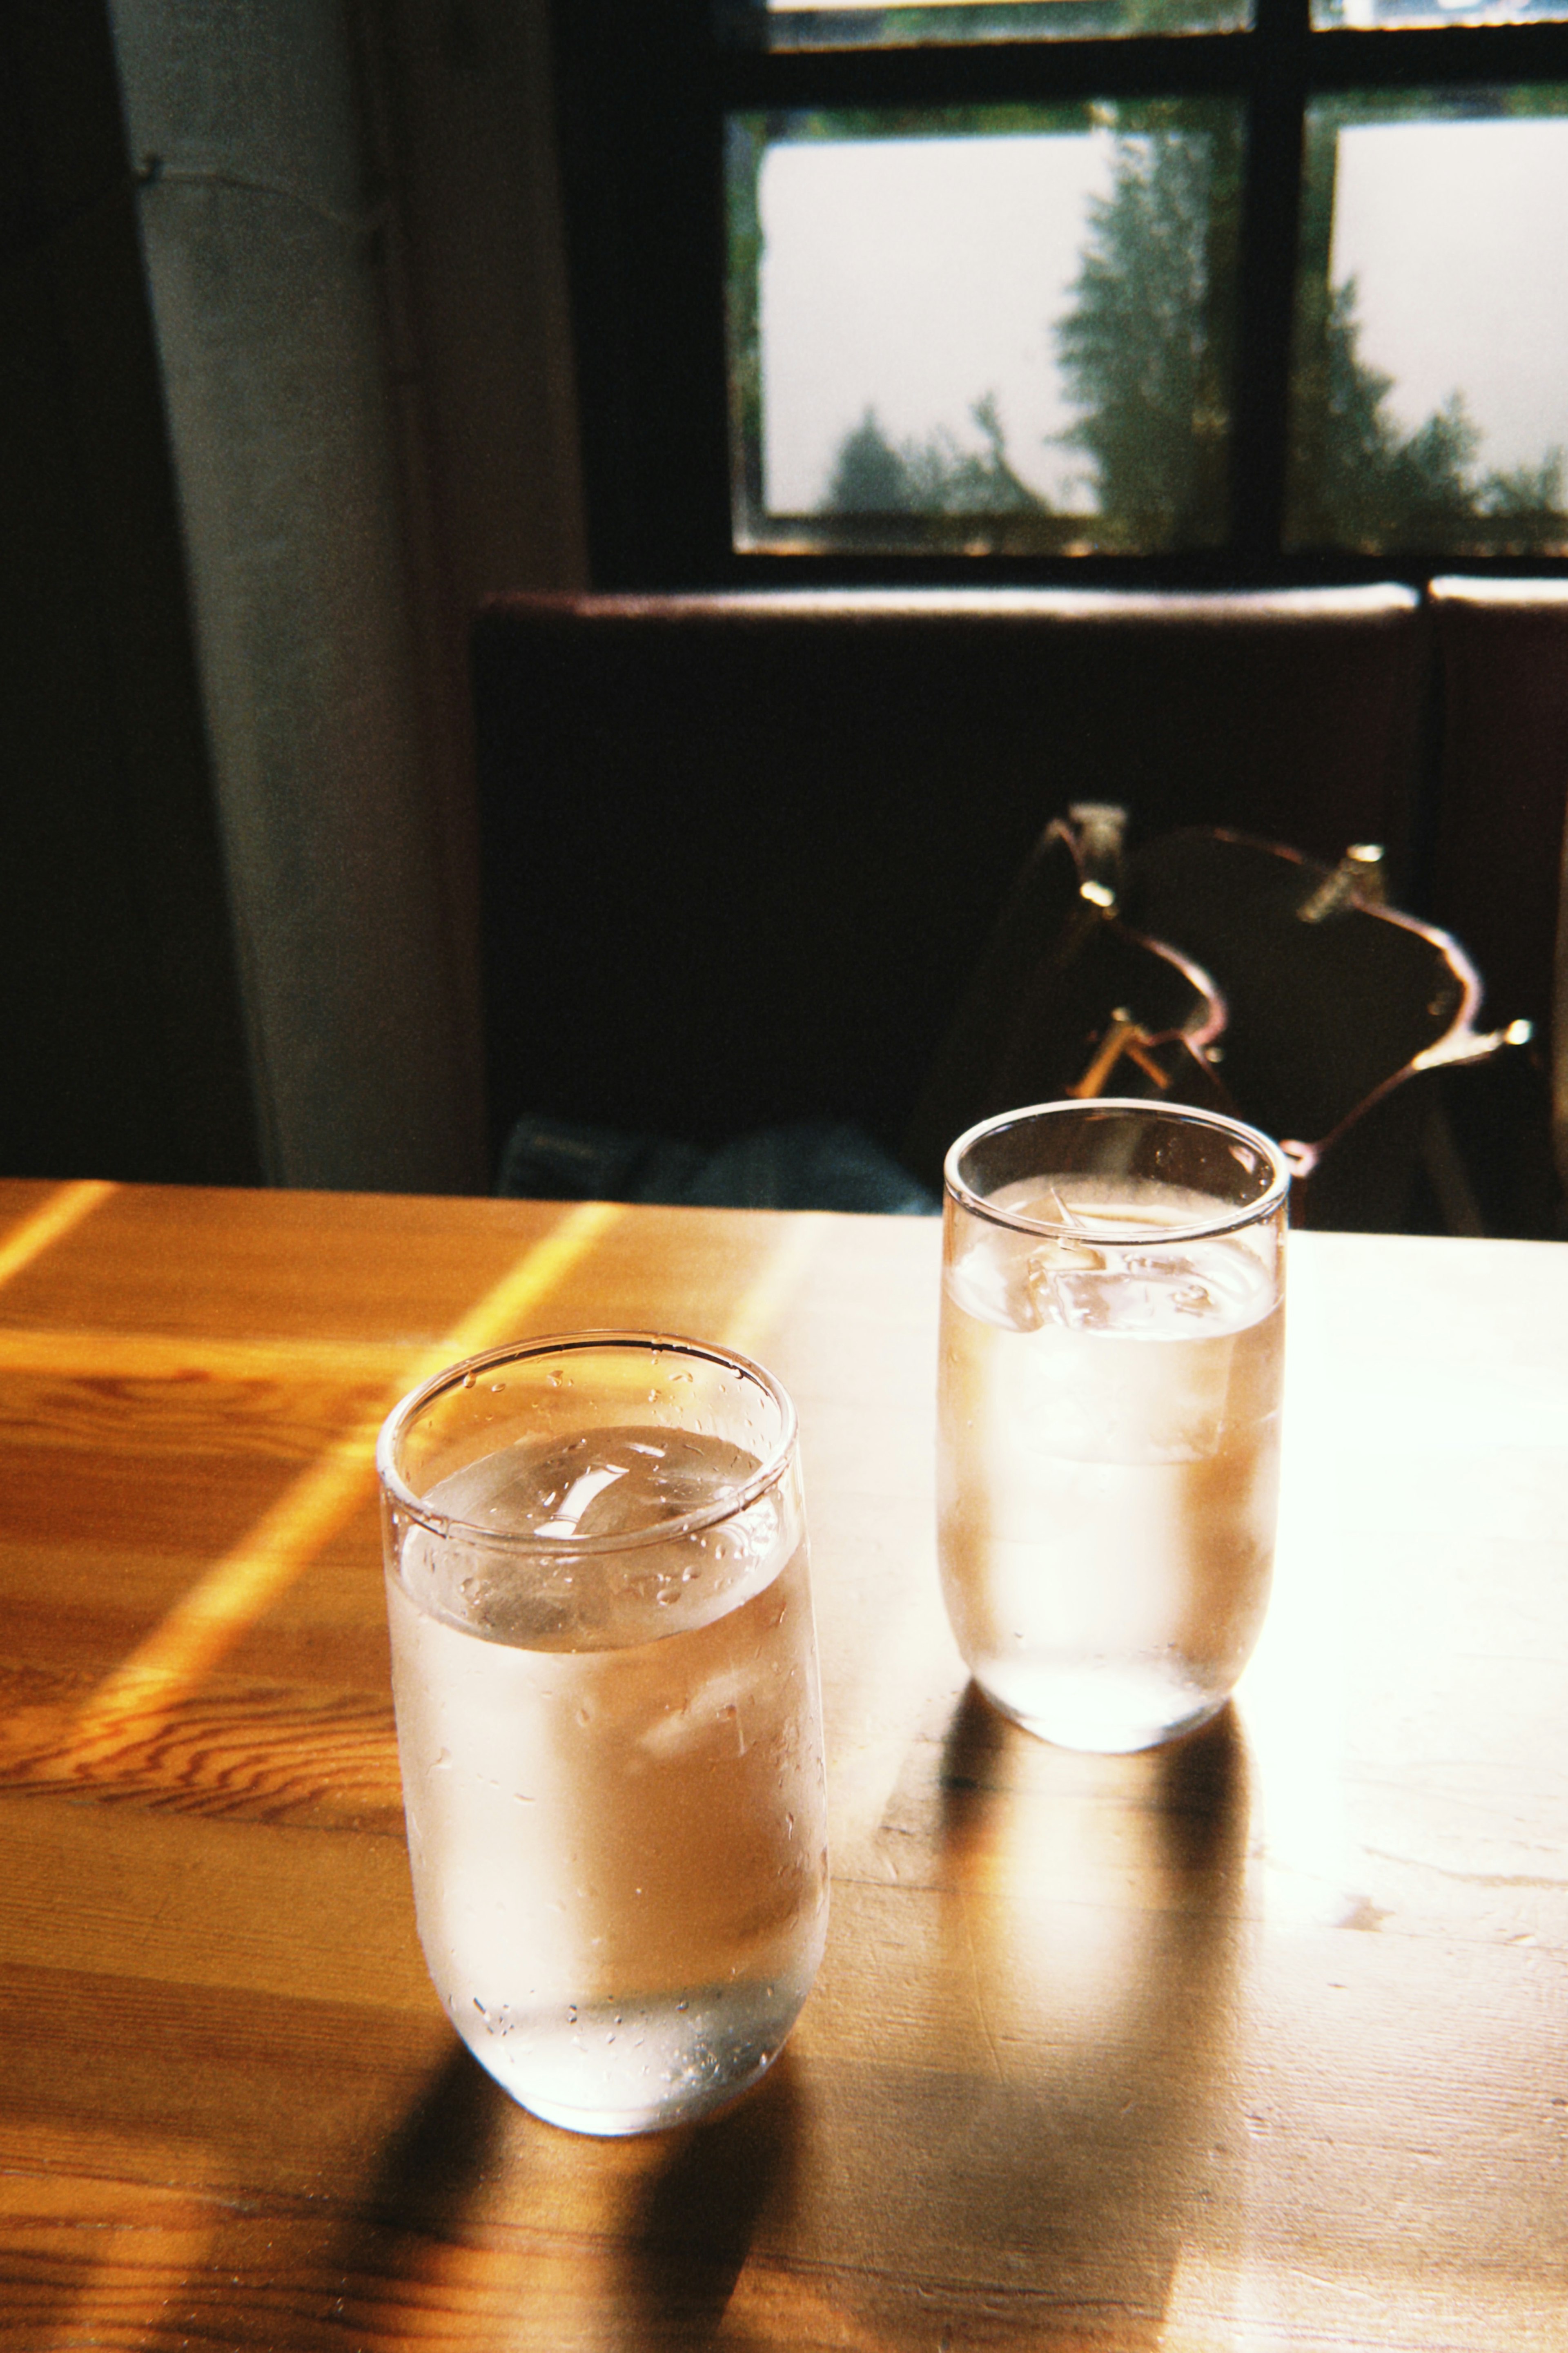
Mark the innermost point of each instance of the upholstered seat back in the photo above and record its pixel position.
(740, 853)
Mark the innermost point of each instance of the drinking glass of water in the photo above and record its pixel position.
(1113, 1344)
(608, 1718)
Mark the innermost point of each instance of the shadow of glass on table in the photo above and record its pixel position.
(543, 2238)
(1017, 2115)
(1096, 1903)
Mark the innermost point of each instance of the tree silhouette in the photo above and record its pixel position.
(1527, 491)
(869, 475)
(1356, 480)
(1140, 351)
(935, 477)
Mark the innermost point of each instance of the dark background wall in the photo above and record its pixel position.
(124, 1050)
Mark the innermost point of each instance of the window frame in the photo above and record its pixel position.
(643, 95)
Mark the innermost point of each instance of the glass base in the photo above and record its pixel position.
(616, 2068)
(1103, 1709)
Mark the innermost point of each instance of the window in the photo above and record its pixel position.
(1430, 388)
(1164, 290)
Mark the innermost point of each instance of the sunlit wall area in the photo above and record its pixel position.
(349, 232)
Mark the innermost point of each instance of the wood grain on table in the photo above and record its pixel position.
(1259, 2042)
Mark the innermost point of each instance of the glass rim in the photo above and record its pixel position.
(465, 1371)
(963, 1197)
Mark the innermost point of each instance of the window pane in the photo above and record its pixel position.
(866, 23)
(981, 329)
(1430, 385)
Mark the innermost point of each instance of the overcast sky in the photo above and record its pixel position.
(913, 276)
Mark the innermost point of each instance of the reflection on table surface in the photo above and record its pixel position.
(1251, 2042)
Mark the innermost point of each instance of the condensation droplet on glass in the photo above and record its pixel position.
(469, 1379)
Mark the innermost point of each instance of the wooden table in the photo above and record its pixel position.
(1257, 2043)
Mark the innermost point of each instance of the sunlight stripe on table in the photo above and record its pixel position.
(50, 1220)
(91, 1351)
(217, 1610)
(762, 1306)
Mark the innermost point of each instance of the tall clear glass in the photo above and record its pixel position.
(608, 1718)
(1113, 1347)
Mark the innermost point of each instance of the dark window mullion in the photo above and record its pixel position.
(1435, 57)
(640, 130)
(1270, 219)
(1150, 65)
